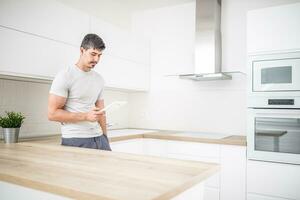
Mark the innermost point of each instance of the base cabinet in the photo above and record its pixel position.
(233, 172)
(262, 197)
(273, 180)
(193, 193)
(228, 184)
(128, 146)
(15, 192)
(211, 193)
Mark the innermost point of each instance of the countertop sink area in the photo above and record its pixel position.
(125, 132)
(204, 135)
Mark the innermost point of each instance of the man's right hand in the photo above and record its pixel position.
(94, 115)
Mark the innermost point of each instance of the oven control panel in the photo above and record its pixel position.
(281, 102)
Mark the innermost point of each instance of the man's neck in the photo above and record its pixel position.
(82, 67)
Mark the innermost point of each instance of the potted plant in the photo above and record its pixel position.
(11, 124)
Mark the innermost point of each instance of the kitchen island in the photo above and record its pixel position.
(92, 174)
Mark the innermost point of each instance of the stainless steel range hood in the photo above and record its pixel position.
(208, 50)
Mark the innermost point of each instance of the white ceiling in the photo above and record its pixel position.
(119, 12)
(150, 4)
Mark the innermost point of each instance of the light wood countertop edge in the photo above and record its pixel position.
(58, 190)
(74, 194)
(161, 136)
(189, 184)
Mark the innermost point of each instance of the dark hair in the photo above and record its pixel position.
(92, 41)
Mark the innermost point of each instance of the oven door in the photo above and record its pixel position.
(280, 75)
(274, 135)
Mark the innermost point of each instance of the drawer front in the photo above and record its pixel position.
(154, 147)
(211, 193)
(130, 146)
(261, 197)
(273, 179)
(193, 149)
(213, 181)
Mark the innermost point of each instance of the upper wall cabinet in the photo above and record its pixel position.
(273, 29)
(27, 55)
(126, 60)
(39, 38)
(121, 43)
(50, 19)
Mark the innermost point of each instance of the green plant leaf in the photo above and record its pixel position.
(12, 120)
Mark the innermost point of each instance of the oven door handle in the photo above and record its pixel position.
(270, 133)
(277, 115)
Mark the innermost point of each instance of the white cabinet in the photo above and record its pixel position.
(194, 149)
(273, 29)
(154, 147)
(14, 192)
(211, 193)
(121, 43)
(228, 184)
(125, 63)
(26, 54)
(233, 172)
(49, 19)
(134, 146)
(261, 197)
(273, 179)
(200, 152)
(38, 38)
(123, 74)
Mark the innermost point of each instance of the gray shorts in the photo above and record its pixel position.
(100, 142)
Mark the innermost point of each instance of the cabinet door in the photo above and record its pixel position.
(194, 149)
(129, 146)
(125, 61)
(211, 193)
(155, 147)
(22, 53)
(123, 74)
(273, 29)
(12, 191)
(121, 43)
(233, 172)
(261, 197)
(50, 19)
(273, 179)
(193, 193)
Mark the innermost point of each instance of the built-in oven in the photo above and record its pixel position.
(274, 135)
(273, 124)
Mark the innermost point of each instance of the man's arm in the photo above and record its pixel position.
(57, 113)
(102, 119)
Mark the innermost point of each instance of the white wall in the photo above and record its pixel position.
(31, 99)
(175, 104)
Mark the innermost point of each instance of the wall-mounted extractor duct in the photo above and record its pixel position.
(208, 51)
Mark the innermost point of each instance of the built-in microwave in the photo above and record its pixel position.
(280, 75)
(274, 135)
(273, 80)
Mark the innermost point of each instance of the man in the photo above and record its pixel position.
(76, 99)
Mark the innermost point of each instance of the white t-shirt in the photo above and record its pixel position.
(82, 90)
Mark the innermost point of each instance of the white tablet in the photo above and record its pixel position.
(113, 106)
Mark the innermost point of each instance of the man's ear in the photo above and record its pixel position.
(81, 50)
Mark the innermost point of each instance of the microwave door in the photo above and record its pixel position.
(276, 75)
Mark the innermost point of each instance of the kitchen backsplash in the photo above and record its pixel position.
(32, 98)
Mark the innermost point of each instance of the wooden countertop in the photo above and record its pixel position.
(163, 135)
(172, 135)
(230, 140)
(92, 174)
